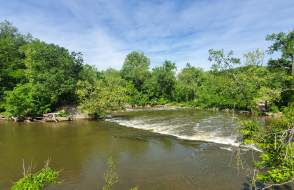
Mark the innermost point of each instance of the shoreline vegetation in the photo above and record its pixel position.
(70, 113)
(73, 114)
(38, 79)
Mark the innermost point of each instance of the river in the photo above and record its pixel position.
(155, 150)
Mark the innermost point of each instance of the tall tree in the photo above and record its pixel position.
(55, 68)
(283, 42)
(162, 81)
(51, 73)
(221, 61)
(135, 69)
(107, 94)
(189, 80)
(254, 58)
(11, 56)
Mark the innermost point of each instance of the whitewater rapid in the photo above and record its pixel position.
(214, 128)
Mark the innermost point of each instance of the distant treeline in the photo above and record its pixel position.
(37, 77)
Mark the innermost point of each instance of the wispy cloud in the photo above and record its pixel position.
(179, 30)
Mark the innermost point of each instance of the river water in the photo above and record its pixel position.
(155, 150)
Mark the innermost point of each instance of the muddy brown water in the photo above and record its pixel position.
(156, 150)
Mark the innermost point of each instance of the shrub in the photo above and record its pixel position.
(37, 181)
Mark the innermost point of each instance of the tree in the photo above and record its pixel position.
(49, 79)
(11, 57)
(239, 87)
(110, 93)
(221, 61)
(224, 65)
(162, 82)
(189, 80)
(19, 102)
(254, 58)
(219, 91)
(55, 69)
(283, 42)
(279, 64)
(89, 73)
(135, 69)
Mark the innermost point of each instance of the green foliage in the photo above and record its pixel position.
(37, 77)
(279, 64)
(34, 76)
(249, 131)
(135, 69)
(137, 98)
(48, 79)
(89, 73)
(110, 176)
(63, 113)
(285, 44)
(276, 164)
(54, 68)
(26, 100)
(11, 56)
(37, 181)
(106, 95)
(221, 61)
(189, 81)
(289, 113)
(47, 176)
(254, 58)
(269, 96)
(241, 88)
(162, 82)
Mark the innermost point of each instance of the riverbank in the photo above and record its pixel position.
(71, 113)
(68, 113)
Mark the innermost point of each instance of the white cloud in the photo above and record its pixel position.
(106, 30)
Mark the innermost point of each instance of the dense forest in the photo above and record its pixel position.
(37, 78)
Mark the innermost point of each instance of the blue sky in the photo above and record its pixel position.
(179, 30)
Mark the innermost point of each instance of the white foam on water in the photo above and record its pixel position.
(175, 129)
(227, 148)
(250, 147)
(209, 138)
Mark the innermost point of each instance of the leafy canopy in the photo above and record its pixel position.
(135, 69)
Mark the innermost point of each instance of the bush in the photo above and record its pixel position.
(37, 181)
(26, 100)
(275, 140)
(63, 113)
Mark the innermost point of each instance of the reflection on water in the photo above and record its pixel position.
(150, 160)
